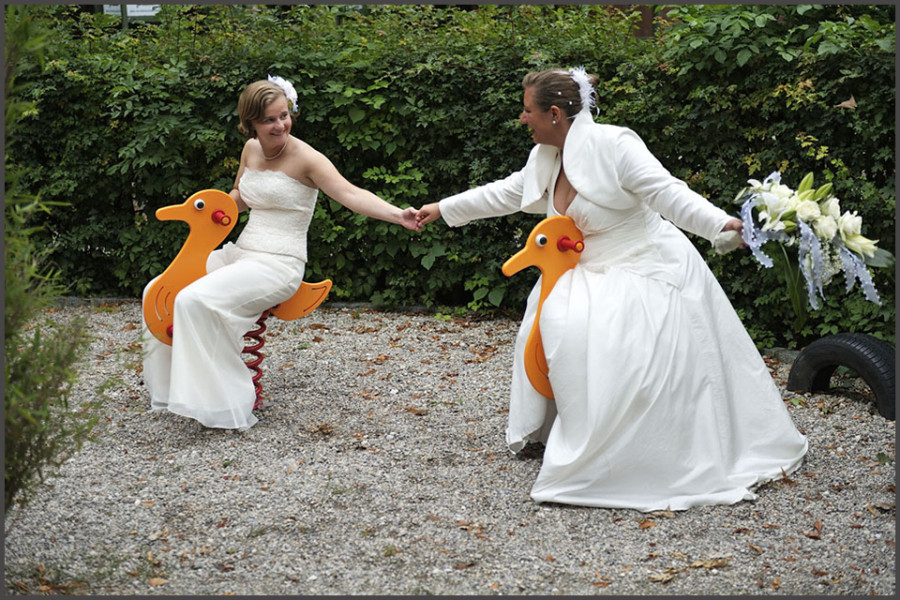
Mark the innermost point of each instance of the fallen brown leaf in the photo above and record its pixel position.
(600, 581)
(785, 479)
(817, 534)
(367, 329)
(712, 563)
(665, 577)
(323, 428)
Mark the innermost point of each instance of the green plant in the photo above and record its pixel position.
(419, 102)
(41, 429)
(733, 92)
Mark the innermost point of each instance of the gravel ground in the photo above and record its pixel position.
(379, 467)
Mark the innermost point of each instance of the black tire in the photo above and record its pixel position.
(871, 358)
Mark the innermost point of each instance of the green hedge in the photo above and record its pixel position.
(732, 92)
(417, 102)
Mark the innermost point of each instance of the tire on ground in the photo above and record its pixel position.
(871, 358)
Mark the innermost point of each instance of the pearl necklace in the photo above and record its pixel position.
(276, 155)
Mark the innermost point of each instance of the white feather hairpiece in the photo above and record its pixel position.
(288, 88)
(585, 89)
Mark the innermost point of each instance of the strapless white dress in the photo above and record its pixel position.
(202, 375)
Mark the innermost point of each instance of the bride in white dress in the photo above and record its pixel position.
(202, 375)
(661, 398)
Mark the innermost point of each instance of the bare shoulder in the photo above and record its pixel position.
(308, 164)
(307, 153)
(252, 153)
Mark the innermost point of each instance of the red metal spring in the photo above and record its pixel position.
(255, 350)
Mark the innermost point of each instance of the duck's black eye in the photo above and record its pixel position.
(199, 204)
(541, 240)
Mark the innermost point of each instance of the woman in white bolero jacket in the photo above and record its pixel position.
(661, 398)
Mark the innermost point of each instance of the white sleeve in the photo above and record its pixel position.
(641, 174)
(502, 197)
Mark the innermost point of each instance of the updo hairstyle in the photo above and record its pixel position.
(555, 87)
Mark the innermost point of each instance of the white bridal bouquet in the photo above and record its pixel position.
(809, 220)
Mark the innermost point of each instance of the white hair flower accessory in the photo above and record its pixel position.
(288, 88)
(585, 89)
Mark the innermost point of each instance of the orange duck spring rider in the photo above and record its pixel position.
(211, 215)
(554, 246)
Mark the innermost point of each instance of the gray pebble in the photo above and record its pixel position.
(379, 466)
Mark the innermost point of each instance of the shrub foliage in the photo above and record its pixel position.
(41, 430)
(417, 102)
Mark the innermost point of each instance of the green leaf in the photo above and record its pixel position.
(357, 114)
(882, 259)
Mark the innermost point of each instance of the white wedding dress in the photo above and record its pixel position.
(661, 398)
(202, 375)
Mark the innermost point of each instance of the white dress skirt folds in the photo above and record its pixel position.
(661, 398)
(202, 375)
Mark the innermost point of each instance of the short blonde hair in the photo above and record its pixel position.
(253, 102)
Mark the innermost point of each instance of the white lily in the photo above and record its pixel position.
(861, 245)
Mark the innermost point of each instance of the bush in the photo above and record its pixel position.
(40, 430)
(417, 102)
(733, 92)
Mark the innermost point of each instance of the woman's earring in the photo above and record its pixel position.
(554, 121)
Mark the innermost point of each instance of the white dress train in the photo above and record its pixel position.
(661, 398)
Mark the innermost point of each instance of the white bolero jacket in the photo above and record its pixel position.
(607, 165)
